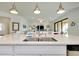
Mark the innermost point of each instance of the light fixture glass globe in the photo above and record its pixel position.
(60, 11)
(13, 11)
(37, 11)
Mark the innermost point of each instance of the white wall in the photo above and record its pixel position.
(40, 21)
(14, 18)
(73, 15)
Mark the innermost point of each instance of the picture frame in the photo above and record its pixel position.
(24, 26)
(15, 26)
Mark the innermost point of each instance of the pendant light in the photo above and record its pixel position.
(36, 10)
(60, 9)
(13, 10)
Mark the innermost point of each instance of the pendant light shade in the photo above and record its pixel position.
(36, 10)
(60, 9)
(13, 10)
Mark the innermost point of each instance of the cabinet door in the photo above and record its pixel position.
(40, 50)
(6, 50)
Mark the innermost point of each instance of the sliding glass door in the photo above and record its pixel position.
(61, 26)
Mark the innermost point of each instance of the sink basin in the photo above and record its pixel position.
(40, 39)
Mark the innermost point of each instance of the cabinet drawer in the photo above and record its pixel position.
(6, 50)
(40, 50)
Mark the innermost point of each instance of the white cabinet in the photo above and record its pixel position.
(40, 50)
(54, 50)
(6, 50)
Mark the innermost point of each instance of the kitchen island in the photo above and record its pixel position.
(13, 44)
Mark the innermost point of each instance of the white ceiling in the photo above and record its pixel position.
(48, 9)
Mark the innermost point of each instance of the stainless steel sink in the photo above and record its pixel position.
(40, 39)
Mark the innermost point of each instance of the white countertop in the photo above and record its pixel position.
(18, 39)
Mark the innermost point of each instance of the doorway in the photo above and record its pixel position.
(40, 28)
(61, 26)
(4, 25)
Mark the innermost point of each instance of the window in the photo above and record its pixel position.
(61, 26)
(0, 27)
(40, 28)
(65, 27)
